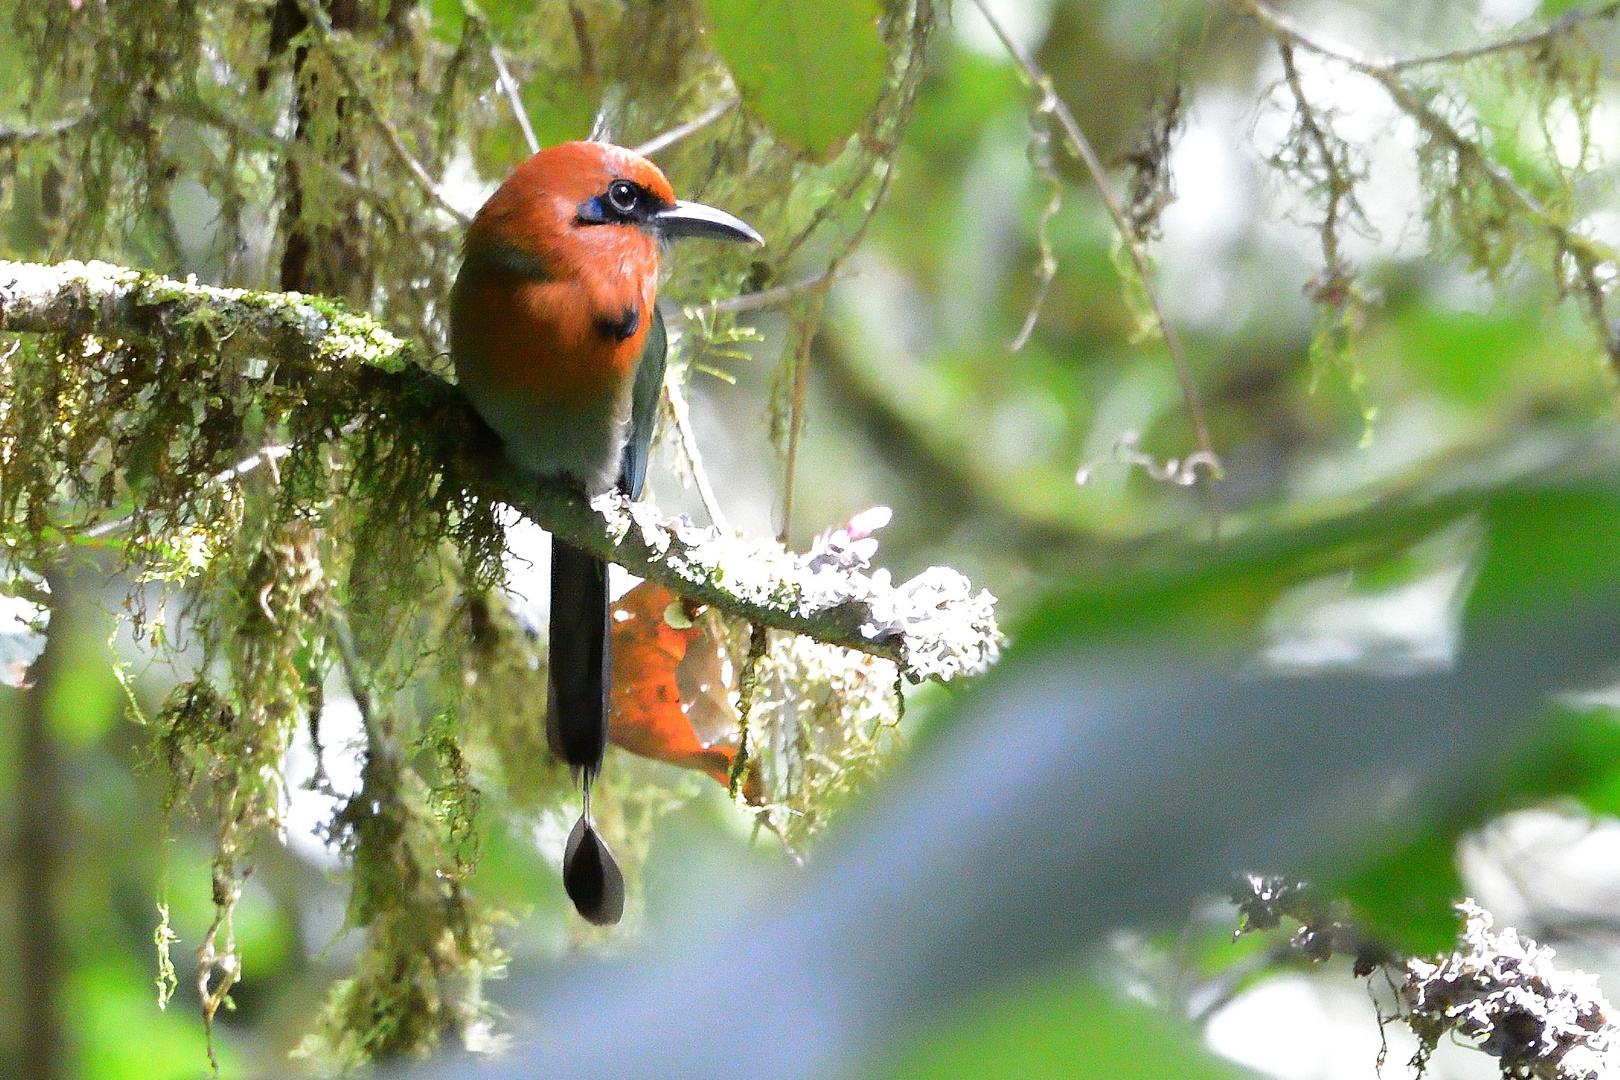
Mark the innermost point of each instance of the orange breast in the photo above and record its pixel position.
(543, 305)
(556, 340)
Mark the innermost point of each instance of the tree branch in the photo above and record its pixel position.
(934, 625)
(682, 415)
(691, 127)
(514, 97)
(195, 109)
(775, 296)
(1535, 39)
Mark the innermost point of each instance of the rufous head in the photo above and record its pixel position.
(581, 186)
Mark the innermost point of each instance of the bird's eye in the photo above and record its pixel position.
(622, 196)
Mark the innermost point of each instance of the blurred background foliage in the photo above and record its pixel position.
(1375, 399)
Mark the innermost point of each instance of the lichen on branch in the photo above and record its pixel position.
(935, 625)
(274, 466)
(1505, 994)
(1500, 993)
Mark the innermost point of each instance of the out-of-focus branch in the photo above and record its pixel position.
(396, 142)
(1588, 255)
(10, 136)
(933, 625)
(205, 112)
(1533, 40)
(1080, 145)
(691, 127)
(1337, 178)
(514, 97)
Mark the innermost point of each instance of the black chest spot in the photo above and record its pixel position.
(624, 327)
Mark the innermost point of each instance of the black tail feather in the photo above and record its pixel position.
(591, 876)
(577, 706)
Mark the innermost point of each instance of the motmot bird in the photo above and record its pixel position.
(558, 345)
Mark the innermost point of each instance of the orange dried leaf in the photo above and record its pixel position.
(653, 663)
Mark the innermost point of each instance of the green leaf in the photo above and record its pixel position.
(1548, 548)
(810, 69)
(1405, 895)
(446, 19)
(1580, 759)
(1062, 1026)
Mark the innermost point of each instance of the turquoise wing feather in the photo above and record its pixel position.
(649, 386)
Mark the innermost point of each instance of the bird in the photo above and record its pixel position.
(557, 343)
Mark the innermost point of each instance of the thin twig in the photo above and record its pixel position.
(1082, 149)
(765, 298)
(1040, 154)
(691, 127)
(1553, 30)
(799, 351)
(337, 619)
(10, 136)
(269, 455)
(1339, 187)
(514, 98)
(196, 109)
(1385, 74)
(318, 18)
(689, 447)
(609, 111)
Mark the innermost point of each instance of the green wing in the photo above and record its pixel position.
(644, 408)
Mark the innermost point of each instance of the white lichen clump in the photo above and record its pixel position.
(826, 723)
(942, 626)
(1506, 994)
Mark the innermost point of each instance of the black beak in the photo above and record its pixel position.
(686, 219)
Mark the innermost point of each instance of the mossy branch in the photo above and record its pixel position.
(933, 625)
(14, 136)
